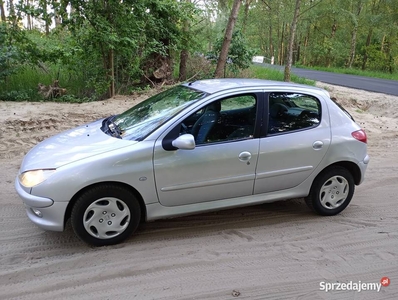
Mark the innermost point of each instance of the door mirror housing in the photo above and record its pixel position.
(184, 142)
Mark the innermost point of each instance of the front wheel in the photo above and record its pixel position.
(331, 191)
(105, 215)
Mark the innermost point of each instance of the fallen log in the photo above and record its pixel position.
(51, 91)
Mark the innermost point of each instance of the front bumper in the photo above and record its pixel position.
(52, 213)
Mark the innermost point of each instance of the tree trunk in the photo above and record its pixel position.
(222, 60)
(353, 46)
(111, 73)
(45, 17)
(289, 56)
(271, 45)
(382, 43)
(281, 53)
(246, 15)
(57, 10)
(334, 29)
(63, 10)
(306, 42)
(2, 11)
(354, 32)
(29, 23)
(184, 52)
(374, 11)
(12, 8)
(12, 16)
(365, 56)
(183, 65)
(298, 54)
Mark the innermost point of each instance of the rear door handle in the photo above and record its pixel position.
(317, 145)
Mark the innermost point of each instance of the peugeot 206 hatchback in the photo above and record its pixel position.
(197, 147)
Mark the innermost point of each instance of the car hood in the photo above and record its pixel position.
(70, 146)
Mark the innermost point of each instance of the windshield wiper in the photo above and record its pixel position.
(113, 128)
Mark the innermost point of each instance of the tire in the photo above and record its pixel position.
(331, 191)
(105, 215)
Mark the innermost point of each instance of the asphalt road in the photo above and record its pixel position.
(384, 86)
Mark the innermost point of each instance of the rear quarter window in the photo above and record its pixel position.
(342, 108)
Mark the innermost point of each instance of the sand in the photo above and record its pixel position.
(273, 251)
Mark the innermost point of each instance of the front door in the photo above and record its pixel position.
(223, 163)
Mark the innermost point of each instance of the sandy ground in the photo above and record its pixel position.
(272, 251)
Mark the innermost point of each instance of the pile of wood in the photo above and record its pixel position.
(51, 91)
(163, 72)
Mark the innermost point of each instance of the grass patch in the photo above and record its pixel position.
(373, 74)
(23, 84)
(261, 72)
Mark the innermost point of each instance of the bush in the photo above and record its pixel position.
(199, 67)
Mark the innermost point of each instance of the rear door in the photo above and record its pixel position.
(297, 137)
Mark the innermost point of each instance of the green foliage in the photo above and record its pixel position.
(239, 55)
(100, 42)
(377, 60)
(10, 56)
(125, 42)
(7, 53)
(19, 95)
(325, 32)
(142, 34)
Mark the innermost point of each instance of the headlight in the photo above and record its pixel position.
(35, 177)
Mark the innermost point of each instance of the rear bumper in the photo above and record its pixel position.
(44, 212)
(363, 165)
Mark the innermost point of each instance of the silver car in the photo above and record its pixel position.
(197, 147)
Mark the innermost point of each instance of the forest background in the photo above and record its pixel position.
(94, 49)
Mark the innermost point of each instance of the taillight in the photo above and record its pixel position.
(360, 135)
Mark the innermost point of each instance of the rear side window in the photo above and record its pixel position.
(292, 111)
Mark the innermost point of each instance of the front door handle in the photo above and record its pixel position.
(245, 156)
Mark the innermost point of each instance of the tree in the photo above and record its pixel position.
(289, 56)
(354, 19)
(126, 41)
(222, 60)
(184, 51)
(239, 53)
(2, 11)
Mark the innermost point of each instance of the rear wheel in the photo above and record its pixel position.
(105, 215)
(331, 191)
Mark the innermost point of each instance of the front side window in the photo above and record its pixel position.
(228, 119)
(139, 121)
(292, 111)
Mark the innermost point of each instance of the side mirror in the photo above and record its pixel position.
(184, 142)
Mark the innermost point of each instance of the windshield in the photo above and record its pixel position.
(140, 120)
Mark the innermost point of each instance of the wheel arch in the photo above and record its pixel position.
(121, 184)
(350, 167)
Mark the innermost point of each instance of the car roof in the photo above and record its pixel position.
(211, 86)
